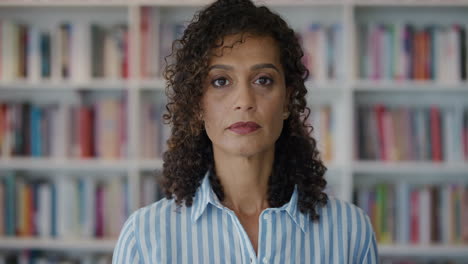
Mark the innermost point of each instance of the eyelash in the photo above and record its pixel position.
(270, 80)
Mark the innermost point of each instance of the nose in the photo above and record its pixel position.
(245, 99)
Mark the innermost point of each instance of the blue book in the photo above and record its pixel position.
(46, 57)
(54, 216)
(81, 202)
(36, 137)
(10, 207)
(409, 49)
(432, 53)
(390, 51)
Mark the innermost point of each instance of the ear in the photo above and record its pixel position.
(200, 114)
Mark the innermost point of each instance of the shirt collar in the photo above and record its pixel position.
(291, 207)
(205, 195)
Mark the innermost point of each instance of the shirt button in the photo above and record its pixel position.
(265, 260)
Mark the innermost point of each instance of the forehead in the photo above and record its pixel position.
(245, 48)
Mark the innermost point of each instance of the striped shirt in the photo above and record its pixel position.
(208, 232)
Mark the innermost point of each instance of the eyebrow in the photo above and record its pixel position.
(255, 67)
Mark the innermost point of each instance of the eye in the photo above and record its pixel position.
(220, 82)
(264, 81)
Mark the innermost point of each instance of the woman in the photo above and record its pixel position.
(242, 177)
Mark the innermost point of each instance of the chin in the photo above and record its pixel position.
(248, 150)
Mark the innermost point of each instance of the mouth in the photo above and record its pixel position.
(244, 128)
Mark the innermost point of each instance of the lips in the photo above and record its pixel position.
(243, 128)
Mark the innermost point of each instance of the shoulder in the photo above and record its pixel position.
(141, 231)
(344, 212)
(136, 232)
(353, 224)
(149, 214)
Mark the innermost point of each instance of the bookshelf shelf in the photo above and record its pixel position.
(151, 164)
(427, 251)
(152, 85)
(62, 164)
(408, 86)
(64, 86)
(324, 87)
(88, 245)
(410, 167)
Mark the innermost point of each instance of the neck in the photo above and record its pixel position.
(244, 180)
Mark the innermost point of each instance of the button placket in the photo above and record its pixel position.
(267, 221)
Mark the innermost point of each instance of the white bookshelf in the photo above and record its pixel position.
(428, 251)
(420, 167)
(72, 244)
(63, 164)
(344, 171)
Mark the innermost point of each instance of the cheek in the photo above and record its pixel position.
(276, 110)
(213, 118)
(277, 121)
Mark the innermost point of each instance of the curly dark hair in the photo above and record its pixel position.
(189, 155)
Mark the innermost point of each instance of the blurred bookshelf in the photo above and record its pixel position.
(80, 113)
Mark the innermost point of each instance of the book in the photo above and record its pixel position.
(404, 133)
(396, 51)
(62, 207)
(63, 52)
(420, 214)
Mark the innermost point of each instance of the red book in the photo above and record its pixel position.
(414, 216)
(379, 113)
(122, 127)
(144, 28)
(436, 140)
(3, 122)
(97, 128)
(425, 55)
(125, 72)
(23, 51)
(418, 56)
(28, 210)
(86, 132)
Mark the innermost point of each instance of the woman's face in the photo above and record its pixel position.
(245, 84)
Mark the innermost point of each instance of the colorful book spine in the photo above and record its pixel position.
(62, 208)
(407, 52)
(404, 213)
(403, 133)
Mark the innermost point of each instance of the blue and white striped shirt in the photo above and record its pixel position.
(208, 232)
